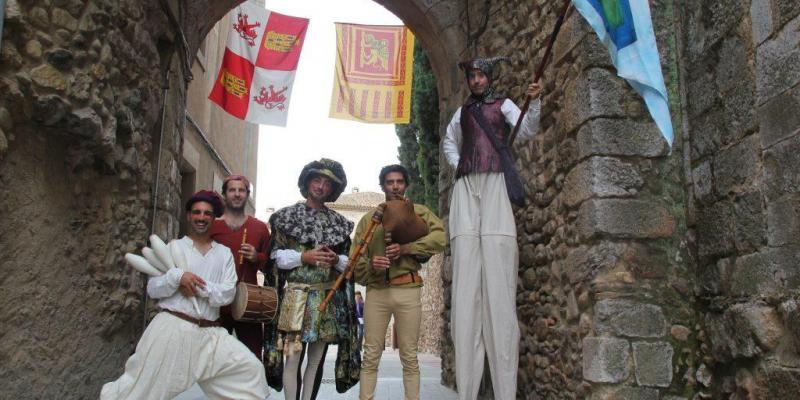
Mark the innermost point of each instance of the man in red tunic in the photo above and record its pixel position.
(249, 257)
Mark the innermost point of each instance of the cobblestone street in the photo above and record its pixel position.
(390, 381)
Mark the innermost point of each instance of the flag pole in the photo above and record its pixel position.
(540, 69)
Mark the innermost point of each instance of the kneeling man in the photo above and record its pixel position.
(179, 347)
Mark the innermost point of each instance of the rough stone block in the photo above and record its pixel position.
(715, 233)
(769, 272)
(653, 363)
(773, 381)
(727, 341)
(734, 67)
(620, 137)
(748, 212)
(778, 62)
(601, 177)
(624, 218)
(583, 263)
(780, 168)
(703, 182)
(783, 221)
(775, 123)
(761, 20)
(714, 279)
(625, 393)
(790, 314)
(702, 88)
(707, 133)
(710, 22)
(595, 93)
(623, 317)
(736, 165)
(785, 10)
(49, 77)
(740, 112)
(605, 359)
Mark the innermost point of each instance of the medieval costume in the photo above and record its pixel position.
(483, 239)
(400, 297)
(181, 347)
(249, 333)
(296, 229)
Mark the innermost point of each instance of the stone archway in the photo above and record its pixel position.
(80, 106)
(682, 245)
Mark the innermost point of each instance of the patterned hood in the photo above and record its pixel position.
(312, 227)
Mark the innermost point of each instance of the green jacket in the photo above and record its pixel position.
(421, 250)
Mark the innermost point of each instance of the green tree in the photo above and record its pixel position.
(419, 140)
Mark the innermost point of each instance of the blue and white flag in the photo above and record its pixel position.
(626, 28)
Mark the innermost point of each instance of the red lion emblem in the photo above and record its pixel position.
(271, 99)
(246, 30)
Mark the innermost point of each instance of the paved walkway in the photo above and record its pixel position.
(390, 381)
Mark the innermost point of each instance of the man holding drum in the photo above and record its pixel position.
(394, 287)
(181, 347)
(309, 249)
(248, 239)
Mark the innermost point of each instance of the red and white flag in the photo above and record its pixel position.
(257, 73)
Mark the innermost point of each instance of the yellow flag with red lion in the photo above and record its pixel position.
(374, 65)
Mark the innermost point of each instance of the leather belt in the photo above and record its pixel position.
(203, 323)
(411, 277)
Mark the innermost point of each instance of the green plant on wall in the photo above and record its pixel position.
(419, 140)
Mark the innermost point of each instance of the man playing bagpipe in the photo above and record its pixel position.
(408, 236)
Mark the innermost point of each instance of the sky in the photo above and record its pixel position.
(310, 135)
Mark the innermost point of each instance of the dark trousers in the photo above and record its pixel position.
(249, 333)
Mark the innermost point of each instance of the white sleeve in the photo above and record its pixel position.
(287, 259)
(165, 285)
(452, 140)
(222, 293)
(530, 124)
(342, 264)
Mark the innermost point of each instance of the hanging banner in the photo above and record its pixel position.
(257, 72)
(374, 66)
(625, 27)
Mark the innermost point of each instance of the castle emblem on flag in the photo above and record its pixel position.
(280, 42)
(374, 52)
(271, 99)
(257, 72)
(233, 84)
(246, 30)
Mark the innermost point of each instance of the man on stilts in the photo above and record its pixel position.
(483, 231)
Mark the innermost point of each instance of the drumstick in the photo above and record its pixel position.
(351, 264)
(244, 241)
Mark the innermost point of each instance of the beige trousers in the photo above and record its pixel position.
(174, 354)
(379, 306)
(483, 316)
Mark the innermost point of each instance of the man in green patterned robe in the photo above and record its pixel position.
(308, 249)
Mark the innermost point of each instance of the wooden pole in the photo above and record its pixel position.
(244, 240)
(377, 216)
(540, 69)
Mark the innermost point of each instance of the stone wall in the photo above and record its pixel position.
(643, 273)
(742, 62)
(604, 296)
(431, 333)
(80, 106)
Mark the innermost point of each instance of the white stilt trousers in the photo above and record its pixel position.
(484, 315)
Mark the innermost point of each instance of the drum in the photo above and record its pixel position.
(254, 303)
